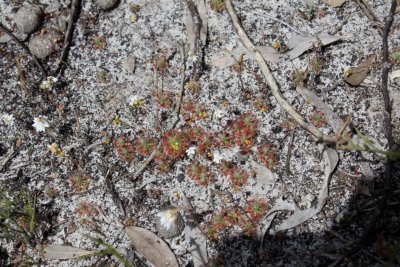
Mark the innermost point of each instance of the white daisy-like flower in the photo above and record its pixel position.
(217, 156)
(8, 119)
(191, 151)
(40, 124)
(306, 201)
(168, 218)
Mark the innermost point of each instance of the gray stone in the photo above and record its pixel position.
(28, 18)
(43, 45)
(175, 228)
(106, 4)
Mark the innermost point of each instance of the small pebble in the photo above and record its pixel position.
(28, 18)
(106, 4)
(169, 224)
(43, 45)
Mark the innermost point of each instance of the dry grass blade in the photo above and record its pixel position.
(271, 80)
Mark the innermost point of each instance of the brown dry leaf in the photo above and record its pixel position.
(152, 247)
(359, 73)
(60, 252)
(334, 3)
(300, 43)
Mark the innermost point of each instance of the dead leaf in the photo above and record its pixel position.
(359, 73)
(152, 247)
(334, 3)
(195, 239)
(300, 43)
(264, 177)
(300, 216)
(333, 119)
(232, 57)
(61, 252)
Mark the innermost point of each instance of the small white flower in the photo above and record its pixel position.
(48, 84)
(306, 201)
(191, 151)
(217, 156)
(133, 99)
(168, 218)
(219, 113)
(192, 57)
(8, 119)
(40, 124)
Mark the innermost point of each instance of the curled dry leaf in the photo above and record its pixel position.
(334, 3)
(152, 247)
(61, 252)
(359, 73)
(299, 216)
(195, 239)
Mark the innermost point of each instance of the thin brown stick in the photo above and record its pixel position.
(272, 82)
(21, 44)
(371, 227)
(370, 14)
(68, 36)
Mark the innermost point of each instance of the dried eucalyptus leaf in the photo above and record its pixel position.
(264, 177)
(152, 247)
(61, 252)
(300, 43)
(334, 3)
(300, 216)
(332, 118)
(359, 73)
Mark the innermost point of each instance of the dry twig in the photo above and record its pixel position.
(271, 80)
(68, 36)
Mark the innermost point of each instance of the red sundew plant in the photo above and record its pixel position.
(161, 64)
(217, 5)
(198, 112)
(193, 86)
(199, 173)
(318, 119)
(162, 162)
(175, 143)
(212, 232)
(204, 140)
(164, 99)
(124, 148)
(268, 156)
(86, 210)
(234, 216)
(261, 104)
(238, 177)
(244, 131)
(79, 181)
(145, 145)
(226, 167)
(224, 140)
(221, 220)
(249, 228)
(256, 208)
